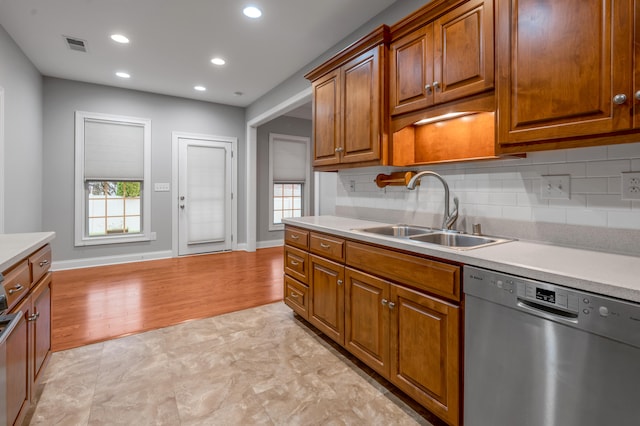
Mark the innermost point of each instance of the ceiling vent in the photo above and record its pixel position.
(76, 44)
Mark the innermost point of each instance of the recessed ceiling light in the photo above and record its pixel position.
(238, 93)
(119, 38)
(123, 74)
(218, 61)
(200, 88)
(252, 12)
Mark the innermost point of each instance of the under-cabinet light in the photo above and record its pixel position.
(442, 117)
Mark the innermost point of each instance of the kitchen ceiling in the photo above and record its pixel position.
(172, 42)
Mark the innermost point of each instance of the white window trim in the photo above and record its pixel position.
(306, 187)
(81, 237)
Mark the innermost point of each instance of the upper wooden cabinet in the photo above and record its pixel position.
(565, 72)
(350, 123)
(448, 58)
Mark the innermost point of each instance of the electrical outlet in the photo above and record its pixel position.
(555, 187)
(631, 186)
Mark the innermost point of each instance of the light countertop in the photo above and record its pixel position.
(609, 274)
(15, 247)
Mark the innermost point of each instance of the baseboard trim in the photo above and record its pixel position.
(269, 244)
(62, 265)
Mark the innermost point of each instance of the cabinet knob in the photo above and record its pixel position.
(436, 84)
(384, 302)
(620, 98)
(339, 282)
(638, 95)
(391, 305)
(182, 206)
(339, 149)
(428, 88)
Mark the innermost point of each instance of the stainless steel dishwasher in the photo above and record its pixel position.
(538, 354)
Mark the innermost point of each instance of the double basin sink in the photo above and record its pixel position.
(445, 238)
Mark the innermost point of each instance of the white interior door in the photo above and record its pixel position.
(204, 196)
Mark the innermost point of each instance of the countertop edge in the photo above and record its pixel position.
(611, 282)
(15, 247)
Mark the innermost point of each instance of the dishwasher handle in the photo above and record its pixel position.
(546, 311)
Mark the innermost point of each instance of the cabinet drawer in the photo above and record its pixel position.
(296, 296)
(296, 263)
(40, 263)
(296, 237)
(325, 246)
(423, 274)
(16, 282)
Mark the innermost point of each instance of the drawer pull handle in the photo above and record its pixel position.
(294, 263)
(391, 305)
(293, 237)
(44, 262)
(33, 317)
(325, 246)
(16, 289)
(294, 295)
(384, 302)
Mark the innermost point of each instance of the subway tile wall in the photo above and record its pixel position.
(510, 189)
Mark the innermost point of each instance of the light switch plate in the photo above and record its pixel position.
(161, 187)
(631, 186)
(555, 187)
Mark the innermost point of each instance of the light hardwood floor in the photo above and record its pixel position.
(96, 304)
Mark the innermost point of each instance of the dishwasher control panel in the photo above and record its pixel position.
(603, 315)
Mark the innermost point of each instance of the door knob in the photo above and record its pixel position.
(619, 99)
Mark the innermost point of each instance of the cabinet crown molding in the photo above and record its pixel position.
(380, 35)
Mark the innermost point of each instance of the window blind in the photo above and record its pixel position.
(113, 151)
(289, 161)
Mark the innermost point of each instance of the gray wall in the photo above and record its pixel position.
(286, 126)
(297, 83)
(22, 165)
(63, 97)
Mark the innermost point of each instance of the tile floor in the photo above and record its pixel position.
(259, 366)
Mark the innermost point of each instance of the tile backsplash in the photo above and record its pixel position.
(506, 190)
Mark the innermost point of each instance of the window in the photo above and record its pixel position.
(112, 179)
(289, 178)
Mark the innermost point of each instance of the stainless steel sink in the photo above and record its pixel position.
(399, 231)
(459, 241)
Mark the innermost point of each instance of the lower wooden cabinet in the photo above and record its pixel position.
(400, 314)
(28, 347)
(367, 319)
(17, 348)
(425, 351)
(326, 309)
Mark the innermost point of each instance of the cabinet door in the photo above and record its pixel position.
(326, 119)
(560, 64)
(425, 351)
(411, 71)
(326, 310)
(40, 321)
(362, 122)
(17, 367)
(463, 51)
(367, 319)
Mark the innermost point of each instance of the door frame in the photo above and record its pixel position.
(175, 137)
(251, 201)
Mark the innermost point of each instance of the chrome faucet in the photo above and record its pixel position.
(449, 218)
